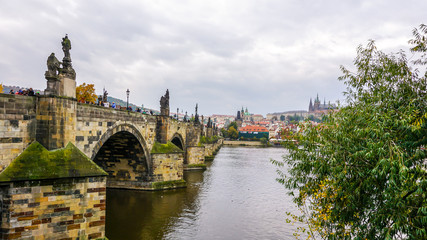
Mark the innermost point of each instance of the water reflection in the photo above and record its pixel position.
(149, 215)
(236, 198)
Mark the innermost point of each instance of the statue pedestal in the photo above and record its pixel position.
(67, 86)
(53, 83)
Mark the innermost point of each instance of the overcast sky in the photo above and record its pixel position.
(268, 56)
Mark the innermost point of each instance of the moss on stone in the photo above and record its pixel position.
(197, 166)
(168, 184)
(209, 158)
(37, 163)
(169, 147)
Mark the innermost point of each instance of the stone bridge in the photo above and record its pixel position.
(135, 149)
(58, 156)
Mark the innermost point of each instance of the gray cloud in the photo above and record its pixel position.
(269, 56)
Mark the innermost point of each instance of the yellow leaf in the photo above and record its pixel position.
(86, 93)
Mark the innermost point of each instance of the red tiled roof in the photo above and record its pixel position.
(253, 129)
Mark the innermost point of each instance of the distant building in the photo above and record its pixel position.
(257, 117)
(277, 116)
(245, 116)
(318, 107)
(222, 121)
(253, 132)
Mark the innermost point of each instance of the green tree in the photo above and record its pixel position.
(362, 173)
(227, 133)
(224, 132)
(232, 133)
(311, 117)
(233, 124)
(263, 140)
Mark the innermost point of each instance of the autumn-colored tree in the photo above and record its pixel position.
(85, 93)
(1, 88)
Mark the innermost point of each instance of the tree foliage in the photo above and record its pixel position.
(231, 131)
(1, 88)
(295, 118)
(362, 173)
(313, 118)
(209, 140)
(85, 93)
(233, 124)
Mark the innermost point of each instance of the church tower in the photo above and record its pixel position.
(316, 104)
(310, 106)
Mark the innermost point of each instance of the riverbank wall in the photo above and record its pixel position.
(243, 143)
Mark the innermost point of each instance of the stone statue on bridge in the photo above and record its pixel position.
(66, 46)
(61, 81)
(209, 125)
(196, 116)
(164, 100)
(67, 67)
(53, 66)
(164, 104)
(105, 95)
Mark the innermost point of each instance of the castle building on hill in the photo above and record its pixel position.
(319, 107)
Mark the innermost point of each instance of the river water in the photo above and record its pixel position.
(237, 197)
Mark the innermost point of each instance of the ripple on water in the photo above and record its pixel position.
(236, 198)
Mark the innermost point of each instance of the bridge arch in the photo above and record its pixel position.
(178, 140)
(123, 154)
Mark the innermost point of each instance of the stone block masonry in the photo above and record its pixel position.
(212, 149)
(167, 166)
(56, 121)
(17, 126)
(56, 194)
(195, 155)
(70, 208)
(95, 125)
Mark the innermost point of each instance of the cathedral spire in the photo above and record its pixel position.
(310, 106)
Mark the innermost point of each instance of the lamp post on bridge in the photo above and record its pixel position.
(127, 102)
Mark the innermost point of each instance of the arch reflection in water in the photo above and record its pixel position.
(149, 215)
